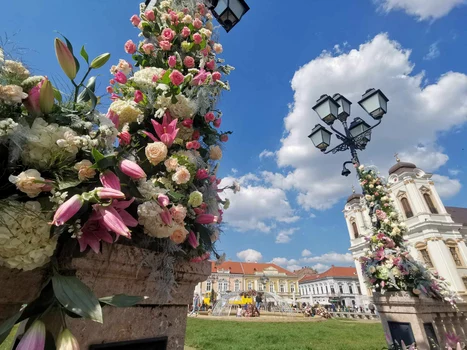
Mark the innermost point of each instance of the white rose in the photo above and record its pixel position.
(171, 164)
(156, 152)
(29, 182)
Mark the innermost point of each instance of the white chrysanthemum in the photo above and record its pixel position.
(15, 69)
(149, 217)
(149, 190)
(41, 150)
(183, 109)
(144, 77)
(128, 111)
(25, 241)
(193, 156)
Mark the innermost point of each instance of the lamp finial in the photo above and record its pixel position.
(396, 155)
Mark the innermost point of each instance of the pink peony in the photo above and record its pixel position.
(211, 65)
(172, 61)
(189, 62)
(138, 96)
(186, 32)
(216, 76)
(150, 15)
(217, 122)
(176, 77)
(148, 48)
(130, 47)
(135, 20)
(193, 145)
(168, 34)
(165, 45)
(209, 117)
(120, 77)
(224, 138)
(197, 38)
(197, 23)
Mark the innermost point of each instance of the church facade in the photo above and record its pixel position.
(436, 235)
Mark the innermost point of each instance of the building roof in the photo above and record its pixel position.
(334, 271)
(400, 167)
(247, 268)
(459, 215)
(354, 196)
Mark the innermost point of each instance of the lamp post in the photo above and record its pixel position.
(227, 12)
(358, 134)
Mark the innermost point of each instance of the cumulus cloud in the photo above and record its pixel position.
(331, 257)
(433, 52)
(266, 154)
(284, 236)
(250, 255)
(321, 267)
(422, 9)
(446, 187)
(318, 262)
(306, 252)
(454, 172)
(410, 127)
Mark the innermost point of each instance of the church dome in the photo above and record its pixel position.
(400, 167)
(354, 196)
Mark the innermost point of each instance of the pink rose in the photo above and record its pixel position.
(216, 76)
(217, 122)
(202, 174)
(196, 135)
(110, 89)
(176, 77)
(112, 81)
(138, 96)
(209, 117)
(130, 47)
(120, 77)
(148, 48)
(187, 123)
(211, 65)
(135, 20)
(168, 34)
(193, 145)
(173, 16)
(197, 38)
(172, 61)
(224, 138)
(150, 15)
(165, 45)
(189, 62)
(205, 51)
(186, 32)
(197, 23)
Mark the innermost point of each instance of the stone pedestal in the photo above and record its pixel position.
(118, 270)
(422, 314)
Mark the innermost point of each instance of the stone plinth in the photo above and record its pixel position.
(406, 308)
(118, 270)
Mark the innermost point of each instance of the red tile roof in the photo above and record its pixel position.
(247, 268)
(334, 271)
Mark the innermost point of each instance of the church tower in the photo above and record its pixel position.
(435, 233)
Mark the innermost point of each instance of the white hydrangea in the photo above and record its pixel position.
(149, 217)
(149, 190)
(128, 111)
(25, 241)
(183, 109)
(144, 77)
(7, 127)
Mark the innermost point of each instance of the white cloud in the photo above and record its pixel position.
(234, 171)
(320, 267)
(330, 257)
(306, 252)
(266, 154)
(446, 187)
(412, 119)
(250, 255)
(454, 172)
(422, 9)
(284, 236)
(433, 52)
(289, 264)
(256, 207)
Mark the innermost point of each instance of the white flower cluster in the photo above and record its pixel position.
(128, 111)
(25, 241)
(144, 77)
(183, 109)
(15, 69)
(149, 215)
(149, 190)
(7, 127)
(58, 197)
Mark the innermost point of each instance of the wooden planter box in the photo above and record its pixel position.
(119, 269)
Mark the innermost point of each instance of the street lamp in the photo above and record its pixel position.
(227, 12)
(358, 134)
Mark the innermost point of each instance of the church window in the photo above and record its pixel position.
(355, 230)
(426, 258)
(453, 249)
(406, 206)
(430, 204)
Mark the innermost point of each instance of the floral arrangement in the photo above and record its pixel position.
(143, 173)
(387, 263)
(452, 342)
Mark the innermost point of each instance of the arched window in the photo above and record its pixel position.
(237, 285)
(430, 204)
(223, 286)
(424, 255)
(453, 249)
(406, 206)
(355, 230)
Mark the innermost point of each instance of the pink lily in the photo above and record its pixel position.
(193, 240)
(200, 78)
(109, 193)
(34, 338)
(110, 180)
(93, 233)
(120, 206)
(206, 219)
(166, 217)
(113, 117)
(131, 169)
(163, 200)
(166, 131)
(67, 210)
(112, 221)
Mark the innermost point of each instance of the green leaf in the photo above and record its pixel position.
(165, 78)
(175, 196)
(84, 54)
(97, 155)
(7, 326)
(63, 185)
(76, 297)
(107, 162)
(84, 96)
(57, 95)
(121, 300)
(92, 96)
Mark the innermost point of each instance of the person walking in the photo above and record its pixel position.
(259, 300)
(196, 304)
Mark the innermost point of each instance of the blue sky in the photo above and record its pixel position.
(285, 58)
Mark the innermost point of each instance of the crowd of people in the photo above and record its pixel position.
(248, 310)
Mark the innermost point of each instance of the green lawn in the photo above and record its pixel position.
(205, 334)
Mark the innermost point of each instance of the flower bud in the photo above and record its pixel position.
(46, 97)
(65, 59)
(100, 60)
(34, 338)
(109, 193)
(193, 240)
(67, 210)
(131, 169)
(67, 341)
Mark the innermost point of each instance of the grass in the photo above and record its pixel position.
(205, 334)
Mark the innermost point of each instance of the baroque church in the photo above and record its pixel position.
(436, 234)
